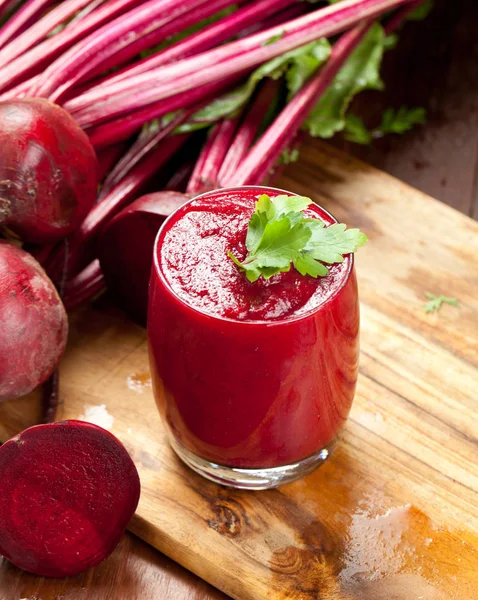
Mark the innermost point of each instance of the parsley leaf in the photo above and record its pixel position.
(279, 235)
(434, 302)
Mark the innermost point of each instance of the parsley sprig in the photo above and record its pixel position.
(279, 235)
(434, 302)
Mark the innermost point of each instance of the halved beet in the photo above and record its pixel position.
(125, 249)
(67, 492)
(33, 323)
(48, 170)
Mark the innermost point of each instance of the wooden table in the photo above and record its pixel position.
(435, 67)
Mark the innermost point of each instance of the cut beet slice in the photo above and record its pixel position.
(67, 493)
(125, 249)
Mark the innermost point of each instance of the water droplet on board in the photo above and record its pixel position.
(138, 382)
(374, 545)
(98, 415)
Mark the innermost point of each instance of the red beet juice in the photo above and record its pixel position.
(253, 380)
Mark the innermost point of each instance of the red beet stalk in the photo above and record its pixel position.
(152, 39)
(280, 134)
(247, 132)
(82, 242)
(83, 287)
(19, 65)
(123, 127)
(40, 29)
(107, 158)
(31, 10)
(399, 17)
(145, 143)
(214, 65)
(147, 25)
(204, 176)
(203, 40)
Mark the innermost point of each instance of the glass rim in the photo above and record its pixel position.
(220, 318)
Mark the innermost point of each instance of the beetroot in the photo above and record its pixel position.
(126, 266)
(67, 493)
(33, 323)
(48, 170)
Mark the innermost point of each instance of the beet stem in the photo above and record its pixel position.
(85, 286)
(143, 145)
(82, 241)
(40, 29)
(51, 397)
(214, 65)
(204, 176)
(282, 131)
(129, 34)
(177, 25)
(20, 65)
(123, 127)
(30, 11)
(199, 42)
(247, 131)
(399, 17)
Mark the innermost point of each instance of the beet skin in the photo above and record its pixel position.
(125, 249)
(67, 493)
(33, 323)
(48, 170)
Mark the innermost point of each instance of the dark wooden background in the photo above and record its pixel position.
(434, 66)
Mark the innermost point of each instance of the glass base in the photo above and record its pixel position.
(251, 479)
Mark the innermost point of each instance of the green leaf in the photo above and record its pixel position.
(297, 66)
(396, 122)
(421, 11)
(435, 302)
(280, 243)
(255, 231)
(360, 72)
(330, 244)
(305, 64)
(286, 204)
(279, 235)
(274, 39)
(289, 156)
(356, 131)
(307, 265)
(401, 120)
(390, 41)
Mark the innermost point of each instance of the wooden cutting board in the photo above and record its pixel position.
(394, 513)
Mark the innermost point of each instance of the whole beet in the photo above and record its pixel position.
(67, 493)
(48, 170)
(33, 323)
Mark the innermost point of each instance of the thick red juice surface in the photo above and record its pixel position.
(247, 374)
(194, 261)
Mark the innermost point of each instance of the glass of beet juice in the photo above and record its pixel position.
(253, 380)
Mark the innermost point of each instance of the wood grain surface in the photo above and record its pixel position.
(393, 514)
